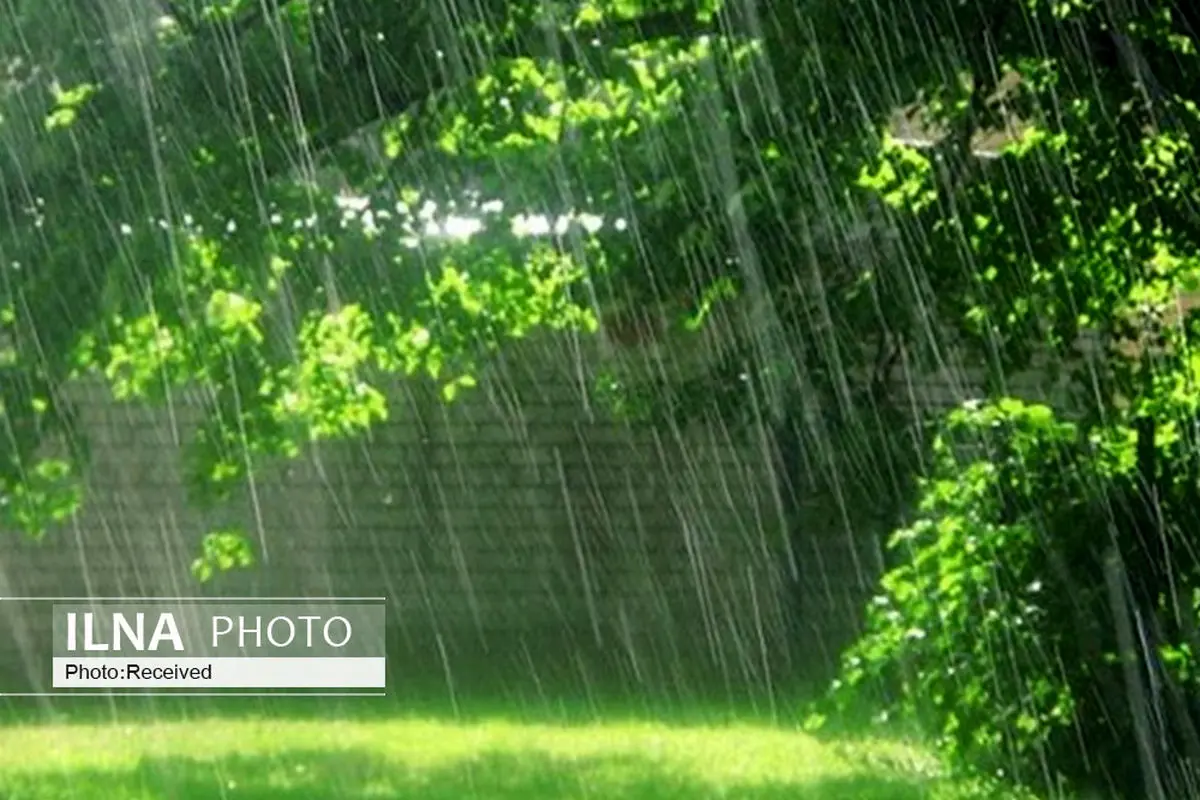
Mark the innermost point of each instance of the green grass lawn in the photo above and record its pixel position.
(505, 740)
(288, 757)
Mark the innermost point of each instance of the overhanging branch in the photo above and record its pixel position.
(381, 64)
(383, 90)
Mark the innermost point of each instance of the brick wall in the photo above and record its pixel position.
(517, 528)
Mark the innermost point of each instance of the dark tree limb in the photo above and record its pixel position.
(887, 356)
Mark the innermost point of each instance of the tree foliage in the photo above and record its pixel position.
(1039, 614)
(240, 195)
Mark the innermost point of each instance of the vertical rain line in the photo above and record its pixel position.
(763, 650)
(1139, 705)
(251, 479)
(580, 554)
(766, 326)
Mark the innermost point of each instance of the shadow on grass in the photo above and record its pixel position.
(527, 680)
(323, 775)
(564, 707)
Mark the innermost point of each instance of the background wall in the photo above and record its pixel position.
(521, 535)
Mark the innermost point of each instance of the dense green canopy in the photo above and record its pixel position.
(236, 193)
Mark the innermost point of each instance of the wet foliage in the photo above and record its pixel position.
(1007, 625)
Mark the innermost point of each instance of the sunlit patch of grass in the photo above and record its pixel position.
(288, 759)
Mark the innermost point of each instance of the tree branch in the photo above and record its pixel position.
(391, 68)
(380, 93)
(386, 64)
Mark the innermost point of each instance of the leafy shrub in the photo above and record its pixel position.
(993, 629)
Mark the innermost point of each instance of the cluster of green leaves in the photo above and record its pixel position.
(994, 628)
(298, 352)
(966, 633)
